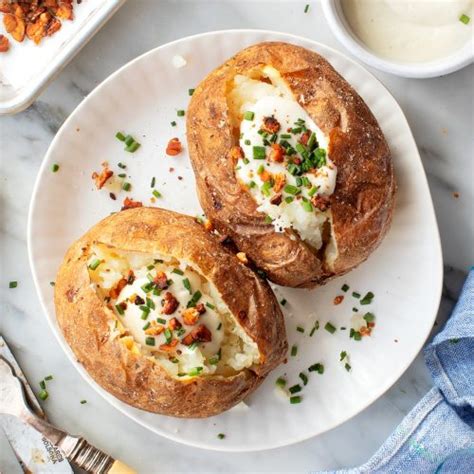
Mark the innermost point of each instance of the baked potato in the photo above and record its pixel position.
(165, 318)
(290, 163)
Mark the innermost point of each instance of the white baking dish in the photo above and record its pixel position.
(27, 68)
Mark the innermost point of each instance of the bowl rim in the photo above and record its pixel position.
(440, 67)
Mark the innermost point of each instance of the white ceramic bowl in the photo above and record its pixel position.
(335, 17)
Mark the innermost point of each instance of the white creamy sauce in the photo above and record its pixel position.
(266, 100)
(411, 30)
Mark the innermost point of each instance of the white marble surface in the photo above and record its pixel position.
(440, 112)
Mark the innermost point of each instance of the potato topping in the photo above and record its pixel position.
(321, 202)
(4, 44)
(277, 153)
(171, 304)
(102, 177)
(198, 334)
(270, 125)
(130, 204)
(161, 280)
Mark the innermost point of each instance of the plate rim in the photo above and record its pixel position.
(437, 292)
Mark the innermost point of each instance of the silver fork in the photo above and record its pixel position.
(76, 449)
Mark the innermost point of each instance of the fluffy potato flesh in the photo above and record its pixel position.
(283, 162)
(166, 310)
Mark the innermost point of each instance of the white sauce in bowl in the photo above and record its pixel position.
(411, 30)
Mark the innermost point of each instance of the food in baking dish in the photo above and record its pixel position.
(290, 163)
(165, 318)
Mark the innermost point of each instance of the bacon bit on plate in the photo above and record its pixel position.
(161, 280)
(280, 181)
(198, 334)
(277, 153)
(170, 346)
(270, 125)
(365, 331)
(154, 329)
(236, 153)
(170, 304)
(321, 202)
(338, 299)
(102, 177)
(190, 316)
(130, 204)
(174, 324)
(242, 257)
(4, 44)
(115, 291)
(201, 309)
(174, 147)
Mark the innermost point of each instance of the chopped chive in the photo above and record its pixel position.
(344, 287)
(168, 335)
(307, 206)
(120, 309)
(342, 355)
(285, 136)
(347, 366)
(42, 384)
(251, 184)
(357, 336)
(147, 287)
(128, 140)
(283, 302)
(367, 299)
(156, 291)
(247, 142)
(355, 294)
(260, 169)
(294, 350)
(150, 303)
(187, 285)
(266, 188)
(146, 326)
(120, 136)
(156, 193)
(306, 8)
(259, 153)
(95, 263)
(126, 186)
(195, 371)
(121, 165)
(313, 191)
(295, 388)
(303, 377)
(14, 284)
(150, 341)
(83, 402)
(122, 175)
(133, 147)
(249, 115)
(300, 329)
(52, 283)
(191, 91)
(193, 301)
(280, 382)
(161, 320)
(330, 328)
(295, 399)
(180, 113)
(55, 168)
(145, 311)
(318, 367)
(290, 189)
(48, 378)
(221, 435)
(315, 328)
(177, 271)
(268, 220)
(43, 394)
(289, 199)
(299, 181)
(209, 305)
(173, 123)
(150, 267)
(153, 181)
(464, 19)
(219, 326)
(369, 317)
(246, 160)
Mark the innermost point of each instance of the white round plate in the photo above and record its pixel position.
(405, 273)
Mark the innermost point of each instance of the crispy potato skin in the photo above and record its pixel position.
(363, 201)
(138, 380)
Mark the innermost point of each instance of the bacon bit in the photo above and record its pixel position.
(280, 181)
(270, 125)
(456, 195)
(208, 225)
(102, 177)
(55, 25)
(236, 153)
(201, 309)
(15, 26)
(198, 334)
(130, 277)
(4, 44)
(5, 6)
(371, 325)
(161, 280)
(174, 147)
(171, 304)
(64, 11)
(242, 257)
(266, 176)
(190, 316)
(170, 346)
(138, 300)
(113, 196)
(338, 299)
(276, 199)
(115, 292)
(130, 204)
(171, 170)
(321, 202)
(365, 331)
(37, 30)
(155, 329)
(305, 137)
(277, 153)
(174, 324)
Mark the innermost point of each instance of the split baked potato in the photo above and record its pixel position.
(165, 318)
(290, 163)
